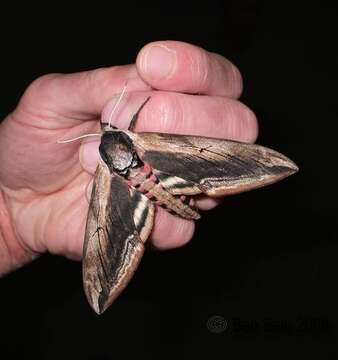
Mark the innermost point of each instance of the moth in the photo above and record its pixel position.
(139, 171)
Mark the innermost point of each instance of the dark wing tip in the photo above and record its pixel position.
(279, 167)
(284, 166)
(103, 304)
(95, 299)
(99, 302)
(98, 309)
(293, 168)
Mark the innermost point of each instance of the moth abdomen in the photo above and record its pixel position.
(174, 203)
(145, 181)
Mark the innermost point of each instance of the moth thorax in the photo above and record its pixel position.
(117, 151)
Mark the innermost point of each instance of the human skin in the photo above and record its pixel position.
(44, 185)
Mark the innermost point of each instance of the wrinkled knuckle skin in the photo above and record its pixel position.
(250, 125)
(42, 83)
(96, 76)
(232, 73)
(184, 235)
(165, 111)
(180, 234)
(39, 89)
(240, 122)
(201, 70)
(237, 81)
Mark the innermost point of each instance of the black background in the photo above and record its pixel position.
(265, 261)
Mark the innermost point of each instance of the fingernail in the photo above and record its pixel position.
(159, 62)
(89, 155)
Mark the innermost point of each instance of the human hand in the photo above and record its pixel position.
(44, 184)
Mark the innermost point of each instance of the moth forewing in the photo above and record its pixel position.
(119, 222)
(188, 164)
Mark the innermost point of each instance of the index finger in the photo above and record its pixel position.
(178, 66)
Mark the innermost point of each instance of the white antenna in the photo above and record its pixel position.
(117, 103)
(76, 138)
(109, 120)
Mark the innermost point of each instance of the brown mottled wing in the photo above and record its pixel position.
(190, 164)
(119, 222)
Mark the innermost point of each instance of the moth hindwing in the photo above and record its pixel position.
(140, 170)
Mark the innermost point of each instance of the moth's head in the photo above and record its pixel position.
(117, 151)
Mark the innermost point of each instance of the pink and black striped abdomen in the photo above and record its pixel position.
(145, 181)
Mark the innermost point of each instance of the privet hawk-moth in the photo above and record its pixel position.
(138, 171)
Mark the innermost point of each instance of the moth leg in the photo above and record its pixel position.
(134, 119)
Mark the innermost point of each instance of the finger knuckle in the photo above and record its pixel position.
(41, 84)
(240, 122)
(94, 76)
(180, 233)
(236, 80)
(183, 233)
(248, 126)
(231, 74)
(200, 69)
(166, 112)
